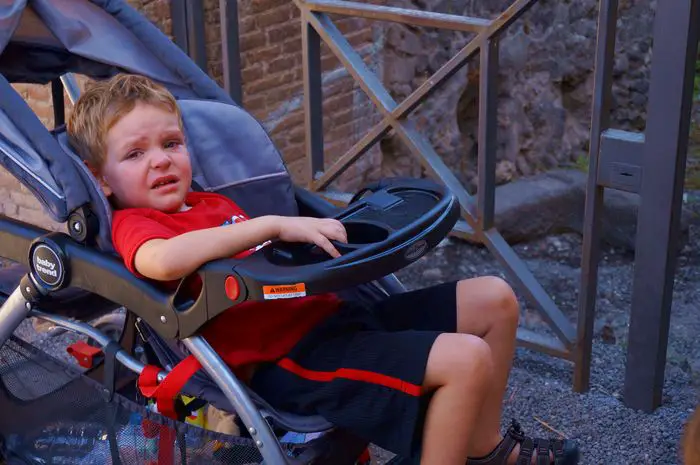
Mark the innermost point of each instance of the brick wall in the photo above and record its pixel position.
(273, 91)
(15, 200)
(272, 75)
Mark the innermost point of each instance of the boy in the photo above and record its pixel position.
(421, 374)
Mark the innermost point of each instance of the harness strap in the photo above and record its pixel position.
(166, 392)
(165, 395)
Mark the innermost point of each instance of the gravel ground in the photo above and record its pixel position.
(539, 393)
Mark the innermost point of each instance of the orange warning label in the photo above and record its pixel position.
(284, 291)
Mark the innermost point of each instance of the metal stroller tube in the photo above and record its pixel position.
(102, 339)
(104, 320)
(258, 428)
(71, 86)
(12, 313)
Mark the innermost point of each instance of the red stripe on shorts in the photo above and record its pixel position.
(353, 374)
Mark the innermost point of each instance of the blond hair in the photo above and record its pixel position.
(103, 104)
(691, 440)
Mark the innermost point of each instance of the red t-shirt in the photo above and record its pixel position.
(247, 333)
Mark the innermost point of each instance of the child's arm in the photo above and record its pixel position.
(177, 257)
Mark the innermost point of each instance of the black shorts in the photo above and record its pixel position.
(362, 368)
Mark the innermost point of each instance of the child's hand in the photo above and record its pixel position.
(319, 231)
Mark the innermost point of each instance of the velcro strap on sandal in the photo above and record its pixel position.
(558, 452)
(543, 452)
(527, 447)
(503, 450)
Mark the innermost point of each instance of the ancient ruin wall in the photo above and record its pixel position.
(545, 84)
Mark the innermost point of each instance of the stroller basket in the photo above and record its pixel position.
(53, 414)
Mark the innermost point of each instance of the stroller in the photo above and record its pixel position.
(56, 412)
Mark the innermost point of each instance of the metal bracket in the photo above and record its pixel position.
(620, 160)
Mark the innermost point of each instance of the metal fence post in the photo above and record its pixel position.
(488, 124)
(313, 95)
(668, 123)
(188, 29)
(178, 13)
(230, 49)
(590, 252)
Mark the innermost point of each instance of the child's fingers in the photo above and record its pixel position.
(335, 231)
(343, 233)
(323, 242)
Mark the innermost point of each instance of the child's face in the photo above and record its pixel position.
(147, 164)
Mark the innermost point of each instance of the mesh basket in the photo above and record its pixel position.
(52, 414)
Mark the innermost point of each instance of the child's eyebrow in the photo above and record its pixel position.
(127, 142)
(173, 132)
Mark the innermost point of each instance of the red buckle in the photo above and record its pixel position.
(365, 457)
(84, 353)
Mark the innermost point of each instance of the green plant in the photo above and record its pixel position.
(581, 163)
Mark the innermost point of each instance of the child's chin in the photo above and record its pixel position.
(173, 208)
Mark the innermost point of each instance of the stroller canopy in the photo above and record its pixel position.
(41, 40)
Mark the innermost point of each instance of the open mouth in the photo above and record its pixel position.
(164, 181)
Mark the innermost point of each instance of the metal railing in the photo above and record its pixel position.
(478, 213)
(652, 165)
(618, 159)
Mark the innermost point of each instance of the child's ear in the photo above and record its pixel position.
(106, 190)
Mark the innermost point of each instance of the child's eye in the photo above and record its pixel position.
(133, 154)
(172, 144)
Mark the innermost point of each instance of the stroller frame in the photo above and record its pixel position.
(45, 44)
(25, 301)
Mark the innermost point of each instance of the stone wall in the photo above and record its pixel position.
(273, 90)
(545, 83)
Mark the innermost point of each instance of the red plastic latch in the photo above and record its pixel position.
(84, 353)
(364, 458)
(232, 288)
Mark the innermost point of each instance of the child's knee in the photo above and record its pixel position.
(476, 357)
(499, 295)
(457, 358)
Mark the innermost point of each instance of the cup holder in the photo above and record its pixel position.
(364, 232)
(360, 233)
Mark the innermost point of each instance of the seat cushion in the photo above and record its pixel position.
(71, 303)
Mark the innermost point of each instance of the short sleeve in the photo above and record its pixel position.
(131, 230)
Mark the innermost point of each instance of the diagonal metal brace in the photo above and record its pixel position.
(375, 90)
(424, 152)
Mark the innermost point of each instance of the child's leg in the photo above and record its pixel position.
(488, 308)
(460, 372)
(369, 370)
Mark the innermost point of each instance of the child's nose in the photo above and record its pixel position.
(160, 159)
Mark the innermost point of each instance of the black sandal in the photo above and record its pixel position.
(565, 451)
